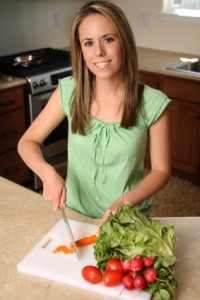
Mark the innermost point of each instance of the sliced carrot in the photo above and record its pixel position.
(79, 243)
(86, 240)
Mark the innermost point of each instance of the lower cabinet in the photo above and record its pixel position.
(184, 123)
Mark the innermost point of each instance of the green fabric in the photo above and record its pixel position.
(108, 161)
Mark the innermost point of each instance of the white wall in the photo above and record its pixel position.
(30, 24)
(173, 34)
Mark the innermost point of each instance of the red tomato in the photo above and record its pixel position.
(114, 264)
(91, 274)
(148, 261)
(112, 278)
(137, 265)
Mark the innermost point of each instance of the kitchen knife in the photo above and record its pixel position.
(69, 231)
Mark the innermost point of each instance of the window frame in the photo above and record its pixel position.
(169, 10)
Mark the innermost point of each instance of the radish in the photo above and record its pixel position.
(127, 282)
(140, 282)
(148, 262)
(138, 257)
(150, 275)
(137, 265)
(126, 265)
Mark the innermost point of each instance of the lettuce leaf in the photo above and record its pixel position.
(129, 232)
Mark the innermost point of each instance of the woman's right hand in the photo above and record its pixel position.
(54, 189)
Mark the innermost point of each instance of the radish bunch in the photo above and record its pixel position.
(139, 272)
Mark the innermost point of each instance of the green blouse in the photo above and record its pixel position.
(108, 161)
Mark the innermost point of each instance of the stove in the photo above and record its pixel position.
(53, 64)
(42, 79)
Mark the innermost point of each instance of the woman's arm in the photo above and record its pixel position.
(160, 167)
(29, 149)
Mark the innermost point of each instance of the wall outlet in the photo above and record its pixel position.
(145, 19)
(56, 19)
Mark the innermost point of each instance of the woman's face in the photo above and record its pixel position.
(101, 47)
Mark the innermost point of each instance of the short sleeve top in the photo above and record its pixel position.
(108, 161)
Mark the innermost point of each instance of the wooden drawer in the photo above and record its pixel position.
(13, 168)
(181, 89)
(11, 129)
(11, 99)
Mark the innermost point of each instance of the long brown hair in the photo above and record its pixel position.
(84, 79)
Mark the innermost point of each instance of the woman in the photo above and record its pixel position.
(110, 116)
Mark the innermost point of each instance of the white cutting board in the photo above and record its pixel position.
(66, 268)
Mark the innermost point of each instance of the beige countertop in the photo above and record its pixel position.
(150, 60)
(25, 218)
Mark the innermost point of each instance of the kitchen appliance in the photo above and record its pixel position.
(42, 69)
(65, 268)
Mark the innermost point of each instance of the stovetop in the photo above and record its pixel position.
(51, 60)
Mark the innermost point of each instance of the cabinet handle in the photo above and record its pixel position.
(10, 133)
(12, 170)
(7, 103)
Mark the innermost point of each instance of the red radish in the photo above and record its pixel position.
(148, 262)
(126, 265)
(137, 265)
(127, 282)
(139, 282)
(150, 275)
(138, 257)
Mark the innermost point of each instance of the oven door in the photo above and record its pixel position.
(54, 148)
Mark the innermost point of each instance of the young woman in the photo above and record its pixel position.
(110, 116)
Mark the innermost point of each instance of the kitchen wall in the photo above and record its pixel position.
(32, 24)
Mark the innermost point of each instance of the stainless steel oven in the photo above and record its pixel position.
(42, 75)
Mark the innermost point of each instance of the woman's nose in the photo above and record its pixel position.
(99, 50)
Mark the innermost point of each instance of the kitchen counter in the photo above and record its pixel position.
(151, 60)
(26, 217)
(8, 81)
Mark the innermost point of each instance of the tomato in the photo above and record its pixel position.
(91, 274)
(139, 282)
(148, 262)
(151, 275)
(137, 265)
(112, 278)
(114, 264)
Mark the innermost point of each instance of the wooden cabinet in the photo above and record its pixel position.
(12, 126)
(184, 122)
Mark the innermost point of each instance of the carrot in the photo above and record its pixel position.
(79, 243)
(65, 249)
(86, 240)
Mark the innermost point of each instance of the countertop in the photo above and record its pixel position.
(151, 60)
(25, 217)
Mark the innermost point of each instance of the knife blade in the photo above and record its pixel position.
(69, 231)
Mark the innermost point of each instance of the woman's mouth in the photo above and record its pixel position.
(102, 64)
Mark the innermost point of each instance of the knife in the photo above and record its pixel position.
(69, 231)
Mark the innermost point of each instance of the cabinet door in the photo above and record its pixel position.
(185, 136)
(13, 168)
(11, 99)
(149, 79)
(11, 129)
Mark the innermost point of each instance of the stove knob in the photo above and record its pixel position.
(35, 84)
(43, 82)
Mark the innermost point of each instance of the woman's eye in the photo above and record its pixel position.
(109, 39)
(88, 43)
